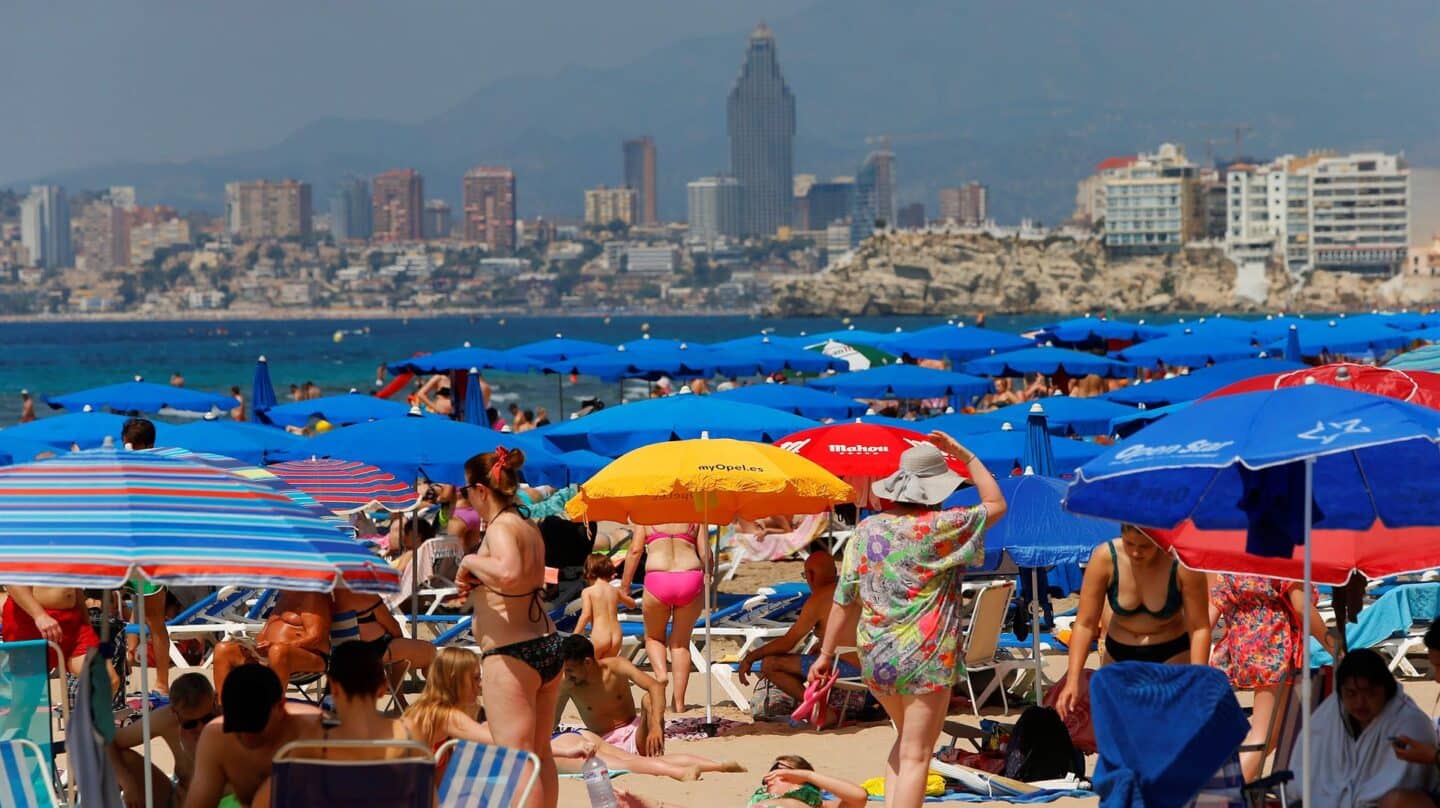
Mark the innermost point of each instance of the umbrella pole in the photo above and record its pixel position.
(560, 394)
(1305, 640)
(414, 583)
(709, 647)
(1035, 633)
(138, 611)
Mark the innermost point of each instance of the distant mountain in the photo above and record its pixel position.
(1024, 97)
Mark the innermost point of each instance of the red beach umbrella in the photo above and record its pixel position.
(346, 486)
(855, 449)
(1415, 386)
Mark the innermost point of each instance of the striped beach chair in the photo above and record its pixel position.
(25, 775)
(28, 718)
(478, 775)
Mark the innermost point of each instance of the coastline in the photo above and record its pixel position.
(266, 315)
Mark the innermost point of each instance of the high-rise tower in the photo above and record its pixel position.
(761, 118)
(640, 176)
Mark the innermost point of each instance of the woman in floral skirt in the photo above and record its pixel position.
(1260, 644)
(899, 589)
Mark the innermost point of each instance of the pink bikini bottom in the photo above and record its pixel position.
(675, 589)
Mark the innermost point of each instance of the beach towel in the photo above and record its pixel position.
(1162, 731)
(1390, 616)
(1353, 772)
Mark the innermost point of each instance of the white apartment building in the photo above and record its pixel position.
(1152, 205)
(651, 260)
(1321, 211)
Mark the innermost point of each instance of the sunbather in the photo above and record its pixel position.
(295, 639)
(357, 615)
(791, 783)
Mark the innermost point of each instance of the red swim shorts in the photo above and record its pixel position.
(77, 635)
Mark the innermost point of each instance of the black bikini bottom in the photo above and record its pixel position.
(1160, 652)
(541, 653)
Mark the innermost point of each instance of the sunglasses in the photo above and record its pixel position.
(193, 724)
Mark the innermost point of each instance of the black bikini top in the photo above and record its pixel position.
(536, 612)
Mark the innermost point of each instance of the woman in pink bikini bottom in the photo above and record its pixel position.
(675, 566)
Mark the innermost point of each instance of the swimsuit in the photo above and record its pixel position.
(808, 794)
(623, 737)
(1159, 652)
(1173, 599)
(77, 635)
(345, 626)
(674, 588)
(540, 653)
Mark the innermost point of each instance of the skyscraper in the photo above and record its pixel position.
(105, 236)
(714, 208)
(825, 203)
(45, 227)
(397, 203)
(437, 219)
(489, 197)
(874, 195)
(351, 216)
(605, 205)
(761, 118)
(967, 205)
(640, 176)
(263, 209)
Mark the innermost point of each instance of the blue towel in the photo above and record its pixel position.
(1390, 616)
(1163, 732)
(1276, 526)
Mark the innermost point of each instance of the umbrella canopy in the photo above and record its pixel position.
(857, 450)
(757, 339)
(97, 519)
(956, 342)
(797, 399)
(346, 486)
(406, 448)
(1126, 425)
(1004, 450)
(461, 359)
(904, 381)
(1037, 531)
(1374, 458)
(855, 355)
(1376, 552)
(262, 393)
(21, 450)
(582, 465)
(1293, 352)
(143, 396)
(1234, 329)
(706, 481)
(1417, 387)
(852, 336)
(1197, 383)
(766, 357)
(1048, 361)
(258, 475)
(646, 361)
(649, 343)
(1344, 337)
(1039, 451)
(557, 349)
(342, 410)
(1425, 358)
(1089, 330)
(1187, 350)
(617, 430)
(87, 429)
(474, 409)
(1067, 415)
(248, 442)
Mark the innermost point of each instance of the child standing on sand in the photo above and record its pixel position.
(600, 606)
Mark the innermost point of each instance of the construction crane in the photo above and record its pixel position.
(1237, 130)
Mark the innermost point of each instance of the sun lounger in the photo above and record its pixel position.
(1394, 625)
(749, 547)
(27, 725)
(479, 775)
(26, 782)
(298, 780)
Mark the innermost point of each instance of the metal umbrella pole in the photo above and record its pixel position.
(139, 611)
(1035, 613)
(1305, 639)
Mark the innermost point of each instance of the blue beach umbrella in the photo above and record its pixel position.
(904, 382)
(557, 349)
(797, 399)
(1048, 361)
(1197, 383)
(1426, 358)
(1293, 353)
(143, 396)
(1087, 330)
(766, 357)
(1126, 425)
(545, 465)
(262, 393)
(1275, 463)
(341, 410)
(1187, 350)
(1037, 531)
(251, 443)
(407, 448)
(87, 429)
(459, 359)
(1343, 337)
(644, 362)
(475, 401)
(957, 342)
(21, 450)
(1068, 415)
(851, 335)
(616, 430)
(1005, 449)
(1039, 453)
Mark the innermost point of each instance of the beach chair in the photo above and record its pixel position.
(299, 778)
(748, 547)
(1394, 625)
(478, 775)
(28, 720)
(981, 649)
(438, 563)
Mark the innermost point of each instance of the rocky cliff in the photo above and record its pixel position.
(935, 273)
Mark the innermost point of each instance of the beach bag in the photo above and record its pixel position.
(1040, 747)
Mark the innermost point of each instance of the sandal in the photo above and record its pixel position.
(817, 695)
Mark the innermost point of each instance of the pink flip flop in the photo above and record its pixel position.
(817, 695)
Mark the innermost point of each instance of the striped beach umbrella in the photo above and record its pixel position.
(343, 485)
(97, 519)
(260, 476)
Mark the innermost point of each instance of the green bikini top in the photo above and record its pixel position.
(1174, 601)
(808, 794)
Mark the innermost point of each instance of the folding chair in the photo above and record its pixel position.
(28, 719)
(479, 775)
(298, 780)
(25, 774)
(981, 650)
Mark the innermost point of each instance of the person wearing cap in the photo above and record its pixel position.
(233, 759)
(899, 591)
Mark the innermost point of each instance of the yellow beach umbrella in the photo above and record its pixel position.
(706, 481)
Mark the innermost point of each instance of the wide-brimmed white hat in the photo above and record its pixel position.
(924, 478)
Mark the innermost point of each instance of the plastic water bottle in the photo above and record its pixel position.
(597, 783)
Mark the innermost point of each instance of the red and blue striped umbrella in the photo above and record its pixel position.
(260, 476)
(95, 519)
(346, 486)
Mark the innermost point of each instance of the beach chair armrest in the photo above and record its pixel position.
(1270, 781)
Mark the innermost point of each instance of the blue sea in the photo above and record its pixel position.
(53, 358)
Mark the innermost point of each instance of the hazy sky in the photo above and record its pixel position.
(174, 79)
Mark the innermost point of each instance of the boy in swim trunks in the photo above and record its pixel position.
(600, 689)
(56, 614)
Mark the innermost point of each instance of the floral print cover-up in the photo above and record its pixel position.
(905, 571)
(1261, 642)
